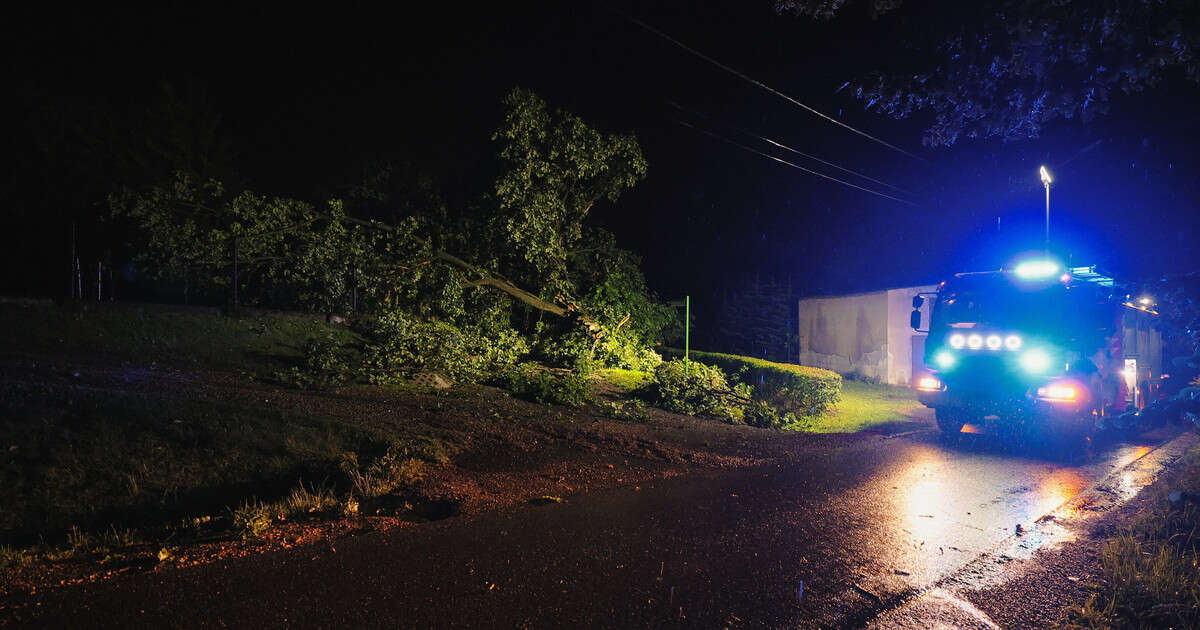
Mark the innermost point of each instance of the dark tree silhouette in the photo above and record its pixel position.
(1005, 68)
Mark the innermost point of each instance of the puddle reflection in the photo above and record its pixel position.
(1132, 481)
(925, 496)
(1057, 488)
(951, 498)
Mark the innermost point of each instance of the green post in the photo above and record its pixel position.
(687, 334)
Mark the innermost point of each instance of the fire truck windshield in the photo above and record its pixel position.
(1000, 305)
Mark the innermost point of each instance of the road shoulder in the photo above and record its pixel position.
(1035, 578)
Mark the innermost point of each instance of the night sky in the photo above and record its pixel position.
(305, 99)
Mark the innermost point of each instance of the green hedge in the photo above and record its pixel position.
(796, 388)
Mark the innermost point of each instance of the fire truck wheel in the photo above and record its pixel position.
(949, 421)
(1082, 432)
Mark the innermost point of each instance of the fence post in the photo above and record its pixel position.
(235, 274)
(687, 335)
(71, 279)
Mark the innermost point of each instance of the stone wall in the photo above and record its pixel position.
(758, 320)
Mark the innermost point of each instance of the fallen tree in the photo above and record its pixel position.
(374, 252)
(487, 279)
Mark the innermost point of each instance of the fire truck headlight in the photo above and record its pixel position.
(929, 384)
(957, 341)
(1012, 342)
(993, 342)
(1035, 361)
(975, 342)
(945, 359)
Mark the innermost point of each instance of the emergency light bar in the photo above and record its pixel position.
(1037, 269)
(1089, 274)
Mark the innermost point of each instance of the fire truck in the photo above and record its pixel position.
(1036, 346)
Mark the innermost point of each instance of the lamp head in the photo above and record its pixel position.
(1045, 176)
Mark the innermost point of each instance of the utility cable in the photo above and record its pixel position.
(764, 86)
(797, 152)
(796, 166)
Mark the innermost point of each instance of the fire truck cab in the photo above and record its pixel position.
(1039, 347)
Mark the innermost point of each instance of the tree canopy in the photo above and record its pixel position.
(1005, 68)
(557, 168)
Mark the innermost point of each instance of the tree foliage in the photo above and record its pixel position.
(558, 167)
(451, 291)
(694, 388)
(293, 252)
(1005, 68)
(613, 290)
(1179, 307)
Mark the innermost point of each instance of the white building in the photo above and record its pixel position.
(867, 334)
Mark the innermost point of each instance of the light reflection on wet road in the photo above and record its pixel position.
(1049, 501)
(951, 501)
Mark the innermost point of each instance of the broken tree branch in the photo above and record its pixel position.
(624, 320)
(489, 279)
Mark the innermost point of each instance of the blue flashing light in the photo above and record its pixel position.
(1037, 269)
(1035, 361)
(945, 359)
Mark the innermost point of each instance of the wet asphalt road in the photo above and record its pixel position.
(830, 540)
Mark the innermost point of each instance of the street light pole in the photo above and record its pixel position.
(1046, 182)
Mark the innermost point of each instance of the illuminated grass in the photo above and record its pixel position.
(625, 380)
(1151, 569)
(863, 406)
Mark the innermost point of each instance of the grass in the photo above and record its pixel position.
(80, 465)
(149, 335)
(106, 545)
(16, 556)
(1151, 568)
(77, 465)
(76, 462)
(251, 519)
(93, 458)
(403, 463)
(863, 406)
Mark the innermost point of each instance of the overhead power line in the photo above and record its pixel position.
(817, 159)
(795, 166)
(764, 86)
(796, 151)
